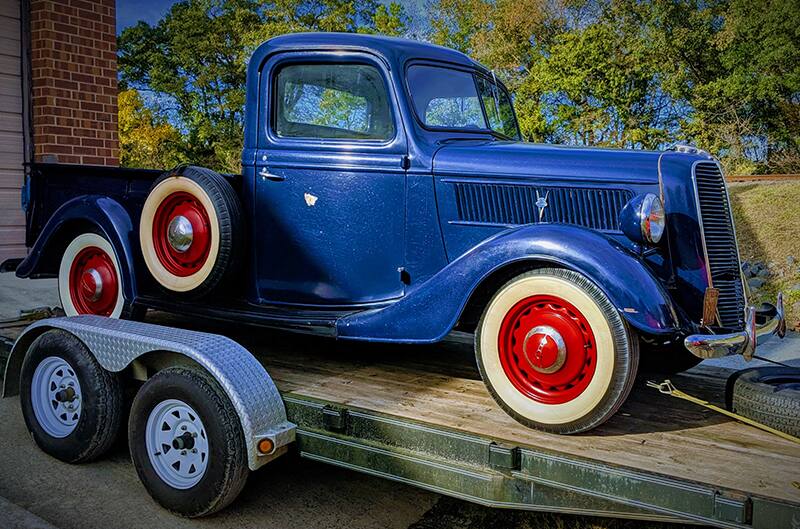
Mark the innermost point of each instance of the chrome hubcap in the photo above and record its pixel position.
(544, 349)
(180, 233)
(92, 284)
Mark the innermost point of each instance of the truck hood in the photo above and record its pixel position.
(523, 160)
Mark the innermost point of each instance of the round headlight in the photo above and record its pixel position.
(652, 218)
(642, 219)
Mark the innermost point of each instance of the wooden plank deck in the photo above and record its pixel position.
(439, 385)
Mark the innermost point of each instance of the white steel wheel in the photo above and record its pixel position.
(190, 230)
(554, 352)
(71, 405)
(89, 279)
(186, 442)
(177, 444)
(56, 396)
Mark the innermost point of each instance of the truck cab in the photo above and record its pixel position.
(386, 195)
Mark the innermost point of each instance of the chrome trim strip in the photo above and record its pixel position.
(700, 222)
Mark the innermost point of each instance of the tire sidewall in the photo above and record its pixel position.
(78, 445)
(175, 384)
(614, 371)
(163, 189)
(79, 243)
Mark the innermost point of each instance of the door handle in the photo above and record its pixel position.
(269, 176)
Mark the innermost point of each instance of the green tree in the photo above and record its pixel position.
(195, 59)
(146, 139)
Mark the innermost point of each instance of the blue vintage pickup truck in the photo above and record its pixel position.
(386, 195)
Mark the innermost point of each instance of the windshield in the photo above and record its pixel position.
(452, 99)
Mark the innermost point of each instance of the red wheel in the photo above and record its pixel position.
(554, 352)
(182, 234)
(190, 230)
(89, 278)
(547, 349)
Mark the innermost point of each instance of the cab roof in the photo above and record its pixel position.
(395, 51)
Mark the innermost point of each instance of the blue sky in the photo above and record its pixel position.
(129, 12)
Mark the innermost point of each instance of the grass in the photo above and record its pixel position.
(767, 226)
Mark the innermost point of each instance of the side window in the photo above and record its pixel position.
(332, 101)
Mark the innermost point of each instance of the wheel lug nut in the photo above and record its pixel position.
(194, 450)
(183, 452)
(194, 434)
(183, 427)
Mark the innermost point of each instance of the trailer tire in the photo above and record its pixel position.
(188, 401)
(191, 232)
(77, 427)
(585, 361)
(769, 395)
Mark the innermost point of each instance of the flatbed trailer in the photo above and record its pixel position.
(420, 415)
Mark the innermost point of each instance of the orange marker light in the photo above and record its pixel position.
(265, 446)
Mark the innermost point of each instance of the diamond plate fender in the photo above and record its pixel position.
(116, 343)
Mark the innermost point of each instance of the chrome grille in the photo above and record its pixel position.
(509, 204)
(720, 242)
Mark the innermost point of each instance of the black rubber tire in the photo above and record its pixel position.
(227, 472)
(626, 359)
(232, 236)
(671, 359)
(769, 395)
(101, 409)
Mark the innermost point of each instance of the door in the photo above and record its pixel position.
(330, 183)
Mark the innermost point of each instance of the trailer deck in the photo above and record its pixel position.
(421, 415)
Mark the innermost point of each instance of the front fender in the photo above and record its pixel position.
(104, 214)
(429, 312)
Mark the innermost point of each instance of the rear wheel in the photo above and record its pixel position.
(187, 443)
(89, 279)
(554, 352)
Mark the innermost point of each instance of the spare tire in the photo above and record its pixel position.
(769, 395)
(191, 231)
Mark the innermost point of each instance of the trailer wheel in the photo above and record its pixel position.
(190, 230)
(71, 405)
(769, 395)
(89, 279)
(187, 443)
(554, 352)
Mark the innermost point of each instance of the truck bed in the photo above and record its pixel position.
(420, 414)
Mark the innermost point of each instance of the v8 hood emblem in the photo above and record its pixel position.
(541, 203)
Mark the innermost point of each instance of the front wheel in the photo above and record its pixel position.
(554, 352)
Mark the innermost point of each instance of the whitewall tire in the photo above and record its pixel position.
(190, 230)
(554, 352)
(89, 278)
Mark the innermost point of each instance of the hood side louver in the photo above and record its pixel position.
(507, 204)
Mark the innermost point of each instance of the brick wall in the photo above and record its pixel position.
(74, 81)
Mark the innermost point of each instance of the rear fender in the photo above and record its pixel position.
(431, 310)
(97, 212)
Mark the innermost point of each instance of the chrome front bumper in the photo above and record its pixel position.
(742, 342)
